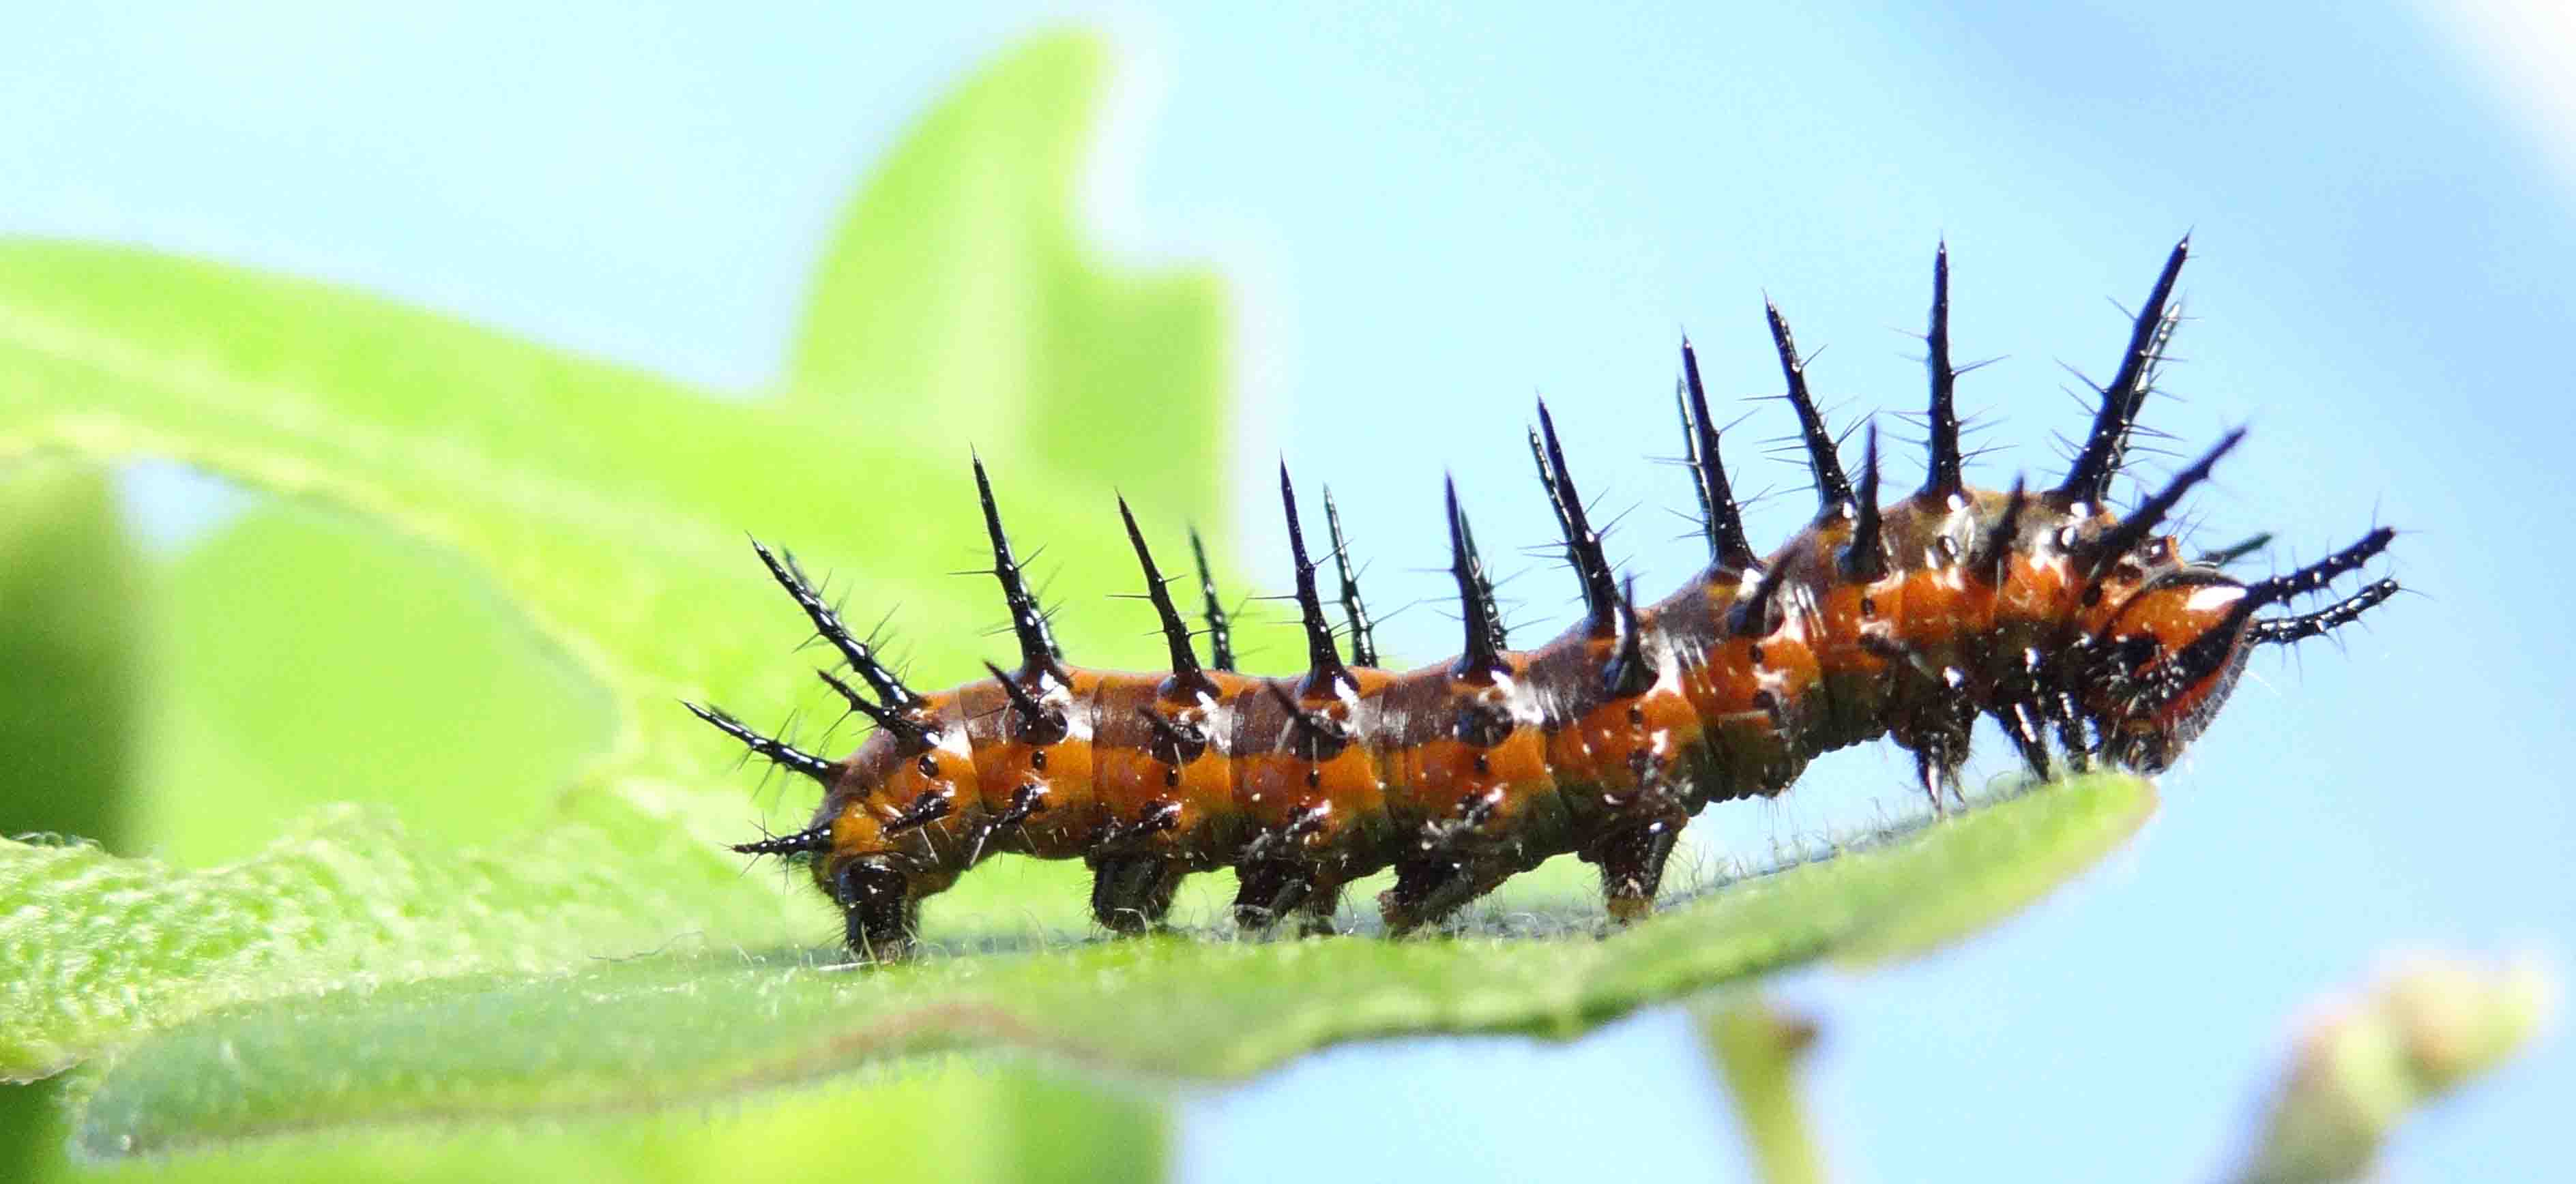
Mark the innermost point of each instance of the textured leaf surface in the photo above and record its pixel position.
(657, 1030)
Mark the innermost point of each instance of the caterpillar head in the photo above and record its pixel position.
(2166, 661)
(2166, 658)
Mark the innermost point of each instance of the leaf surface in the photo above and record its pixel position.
(657, 1030)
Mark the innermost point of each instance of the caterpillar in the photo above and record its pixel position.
(2085, 634)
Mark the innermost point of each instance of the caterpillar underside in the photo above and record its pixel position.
(2083, 633)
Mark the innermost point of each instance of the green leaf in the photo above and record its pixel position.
(398, 665)
(652, 1031)
(1757, 1051)
(942, 1121)
(70, 613)
(2364, 1062)
(1006, 332)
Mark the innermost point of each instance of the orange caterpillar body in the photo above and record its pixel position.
(2067, 624)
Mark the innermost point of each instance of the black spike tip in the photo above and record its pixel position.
(1582, 544)
(2315, 576)
(2089, 478)
(1485, 587)
(1833, 489)
(2290, 630)
(813, 840)
(1039, 653)
(1942, 477)
(1326, 676)
(1220, 631)
(778, 752)
(1721, 518)
(1186, 674)
(1556, 503)
(827, 622)
(1482, 657)
(1363, 637)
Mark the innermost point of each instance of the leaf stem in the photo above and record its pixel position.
(1757, 1050)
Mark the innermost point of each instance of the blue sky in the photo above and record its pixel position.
(1431, 217)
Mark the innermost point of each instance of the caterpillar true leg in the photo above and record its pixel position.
(1133, 893)
(1632, 864)
(1273, 891)
(1428, 889)
(878, 908)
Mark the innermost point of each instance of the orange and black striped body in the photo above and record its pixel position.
(2080, 632)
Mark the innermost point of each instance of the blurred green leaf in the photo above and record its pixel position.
(70, 617)
(1758, 1051)
(397, 680)
(944, 1119)
(656, 1030)
(2363, 1063)
(959, 304)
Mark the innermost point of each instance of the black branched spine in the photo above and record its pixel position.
(1833, 489)
(1326, 676)
(1723, 519)
(1942, 475)
(2089, 480)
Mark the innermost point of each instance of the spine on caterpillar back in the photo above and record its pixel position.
(2083, 634)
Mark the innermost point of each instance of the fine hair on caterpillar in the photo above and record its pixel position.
(2085, 634)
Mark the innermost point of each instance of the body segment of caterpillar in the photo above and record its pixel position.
(2081, 632)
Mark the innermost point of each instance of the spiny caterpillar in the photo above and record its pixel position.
(2060, 620)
